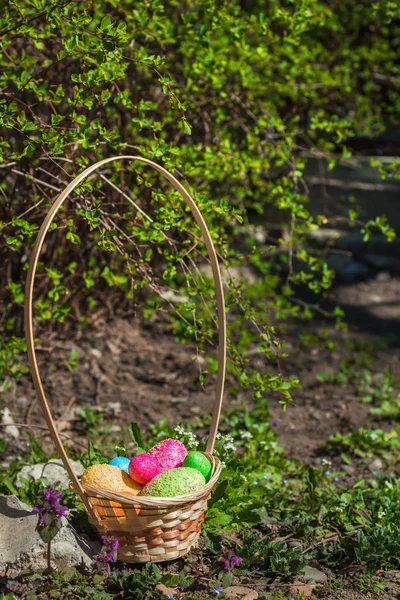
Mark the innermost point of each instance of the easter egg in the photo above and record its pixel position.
(176, 482)
(143, 468)
(169, 453)
(197, 460)
(121, 462)
(110, 478)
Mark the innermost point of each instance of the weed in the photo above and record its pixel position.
(366, 442)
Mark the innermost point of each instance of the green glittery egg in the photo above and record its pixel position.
(197, 460)
(176, 482)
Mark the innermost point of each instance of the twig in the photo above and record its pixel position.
(68, 437)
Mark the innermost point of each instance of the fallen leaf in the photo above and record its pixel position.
(166, 590)
(239, 592)
(298, 587)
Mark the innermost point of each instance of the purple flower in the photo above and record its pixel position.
(336, 478)
(235, 561)
(49, 509)
(231, 561)
(108, 552)
(328, 472)
(274, 422)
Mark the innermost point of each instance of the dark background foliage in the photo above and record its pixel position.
(232, 98)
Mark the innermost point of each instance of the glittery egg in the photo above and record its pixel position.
(110, 478)
(176, 482)
(197, 460)
(144, 467)
(121, 462)
(169, 453)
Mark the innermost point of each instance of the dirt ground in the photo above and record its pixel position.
(134, 372)
(140, 373)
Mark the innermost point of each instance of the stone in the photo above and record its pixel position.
(179, 399)
(173, 297)
(22, 549)
(54, 470)
(10, 430)
(313, 576)
(346, 266)
(383, 276)
(376, 465)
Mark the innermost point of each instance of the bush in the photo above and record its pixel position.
(226, 95)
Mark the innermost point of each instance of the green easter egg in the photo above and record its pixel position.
(176, 482)
(197, 460)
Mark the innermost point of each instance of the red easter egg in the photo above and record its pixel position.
(143, 467)
(169, 454)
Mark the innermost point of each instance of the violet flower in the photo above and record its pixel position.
(50, 511)
(108, 552)
(235, 561)
(231, 562)
(275, 422)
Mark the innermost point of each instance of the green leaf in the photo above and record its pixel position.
(219, 492)
(49, 533)
(105, 23)
(135, 434)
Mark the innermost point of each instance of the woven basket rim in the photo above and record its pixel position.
(158, 501)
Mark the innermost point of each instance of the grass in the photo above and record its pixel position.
(277, 514)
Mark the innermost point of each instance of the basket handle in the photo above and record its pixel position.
(28, 308)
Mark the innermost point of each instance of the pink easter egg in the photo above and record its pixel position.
(143, 468)
(169, 454)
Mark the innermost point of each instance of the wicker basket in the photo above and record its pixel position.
(148, 529)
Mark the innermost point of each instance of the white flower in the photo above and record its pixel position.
(243, 477)
(381, 514)
(229, 446)
(246, 435)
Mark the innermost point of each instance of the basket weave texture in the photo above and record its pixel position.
(148, 529)
(151, 529)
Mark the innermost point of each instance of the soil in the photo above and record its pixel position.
(138, 372)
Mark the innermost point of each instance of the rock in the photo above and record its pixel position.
(237, 272)
(346, 266)
(54, 470)
(376, 465)
(313, 576)
(21, 547)
(349, 469)
(383, 276)
(10, 430)
(240, 592)
(173, 297)
(179, 399)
